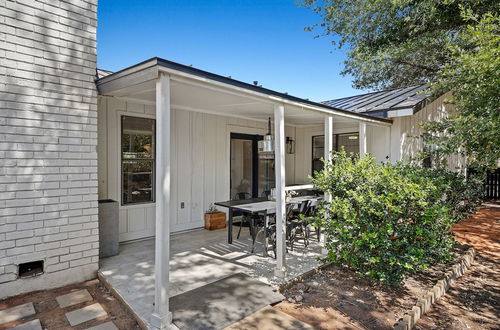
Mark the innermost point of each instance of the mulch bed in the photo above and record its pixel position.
(337, 298)
(52, 316)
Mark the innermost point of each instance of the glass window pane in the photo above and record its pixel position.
(350, 142)
(318, 147)
(137, 137)
(319, 141)
(137, 181)
(317, 165)
(138, 153)
(318, 152)
(241, 168)
(267, 177)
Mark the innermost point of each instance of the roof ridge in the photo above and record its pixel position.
(374, 92)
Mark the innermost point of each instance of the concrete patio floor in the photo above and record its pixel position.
(197, 258)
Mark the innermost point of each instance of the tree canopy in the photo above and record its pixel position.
(473, 76)
(451, 44)
(396, 42)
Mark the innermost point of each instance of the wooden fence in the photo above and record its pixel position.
(492, 184)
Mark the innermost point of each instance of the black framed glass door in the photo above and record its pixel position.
(250, 176)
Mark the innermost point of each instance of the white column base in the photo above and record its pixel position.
(281, 273)
(324, 251)
(162, 322)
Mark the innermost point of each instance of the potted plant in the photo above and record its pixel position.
(214, 219)
(289, 194)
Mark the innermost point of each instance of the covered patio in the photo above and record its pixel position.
(197, 258)
(155, 270)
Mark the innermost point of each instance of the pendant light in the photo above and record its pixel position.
(266, 146)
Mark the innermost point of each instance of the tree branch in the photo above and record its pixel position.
(424, 67)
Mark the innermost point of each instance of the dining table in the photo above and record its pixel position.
(261, 205)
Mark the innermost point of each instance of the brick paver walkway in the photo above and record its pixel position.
(80, 306)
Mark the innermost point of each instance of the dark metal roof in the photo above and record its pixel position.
(237, 83)
(100, 73)
(380, 103)
(241, 84)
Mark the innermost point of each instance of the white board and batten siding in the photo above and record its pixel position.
(408, 131)
(200, 164)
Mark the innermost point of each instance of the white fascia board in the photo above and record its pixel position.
(400, 113)
(129, 77)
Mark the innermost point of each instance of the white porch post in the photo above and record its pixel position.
(362, 139)
(328, 138)
(327, 156)
(279, 152)
(162, 318)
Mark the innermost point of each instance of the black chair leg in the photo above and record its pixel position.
(243, 219)
(292, 238)
(305, 231)
(239, 231)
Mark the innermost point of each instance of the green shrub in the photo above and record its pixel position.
(388, 220)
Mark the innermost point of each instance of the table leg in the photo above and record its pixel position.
(266, 241)
(253, 231)
(230, 227)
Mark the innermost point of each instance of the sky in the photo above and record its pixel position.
(249, 40)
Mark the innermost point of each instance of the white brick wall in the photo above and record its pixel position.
(48, 136)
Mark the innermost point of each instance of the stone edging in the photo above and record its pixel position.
(119, 297)
(424, 304)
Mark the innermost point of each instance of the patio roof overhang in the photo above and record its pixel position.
(197, 90)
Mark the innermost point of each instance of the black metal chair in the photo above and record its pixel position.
(242, 195)
(297, 226)
(270, 231)
(251, 220)
(309, 226)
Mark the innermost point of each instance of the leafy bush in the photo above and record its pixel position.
(388, 220)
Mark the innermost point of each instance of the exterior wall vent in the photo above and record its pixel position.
(31, 269)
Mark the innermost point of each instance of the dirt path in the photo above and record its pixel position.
(474, 300)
